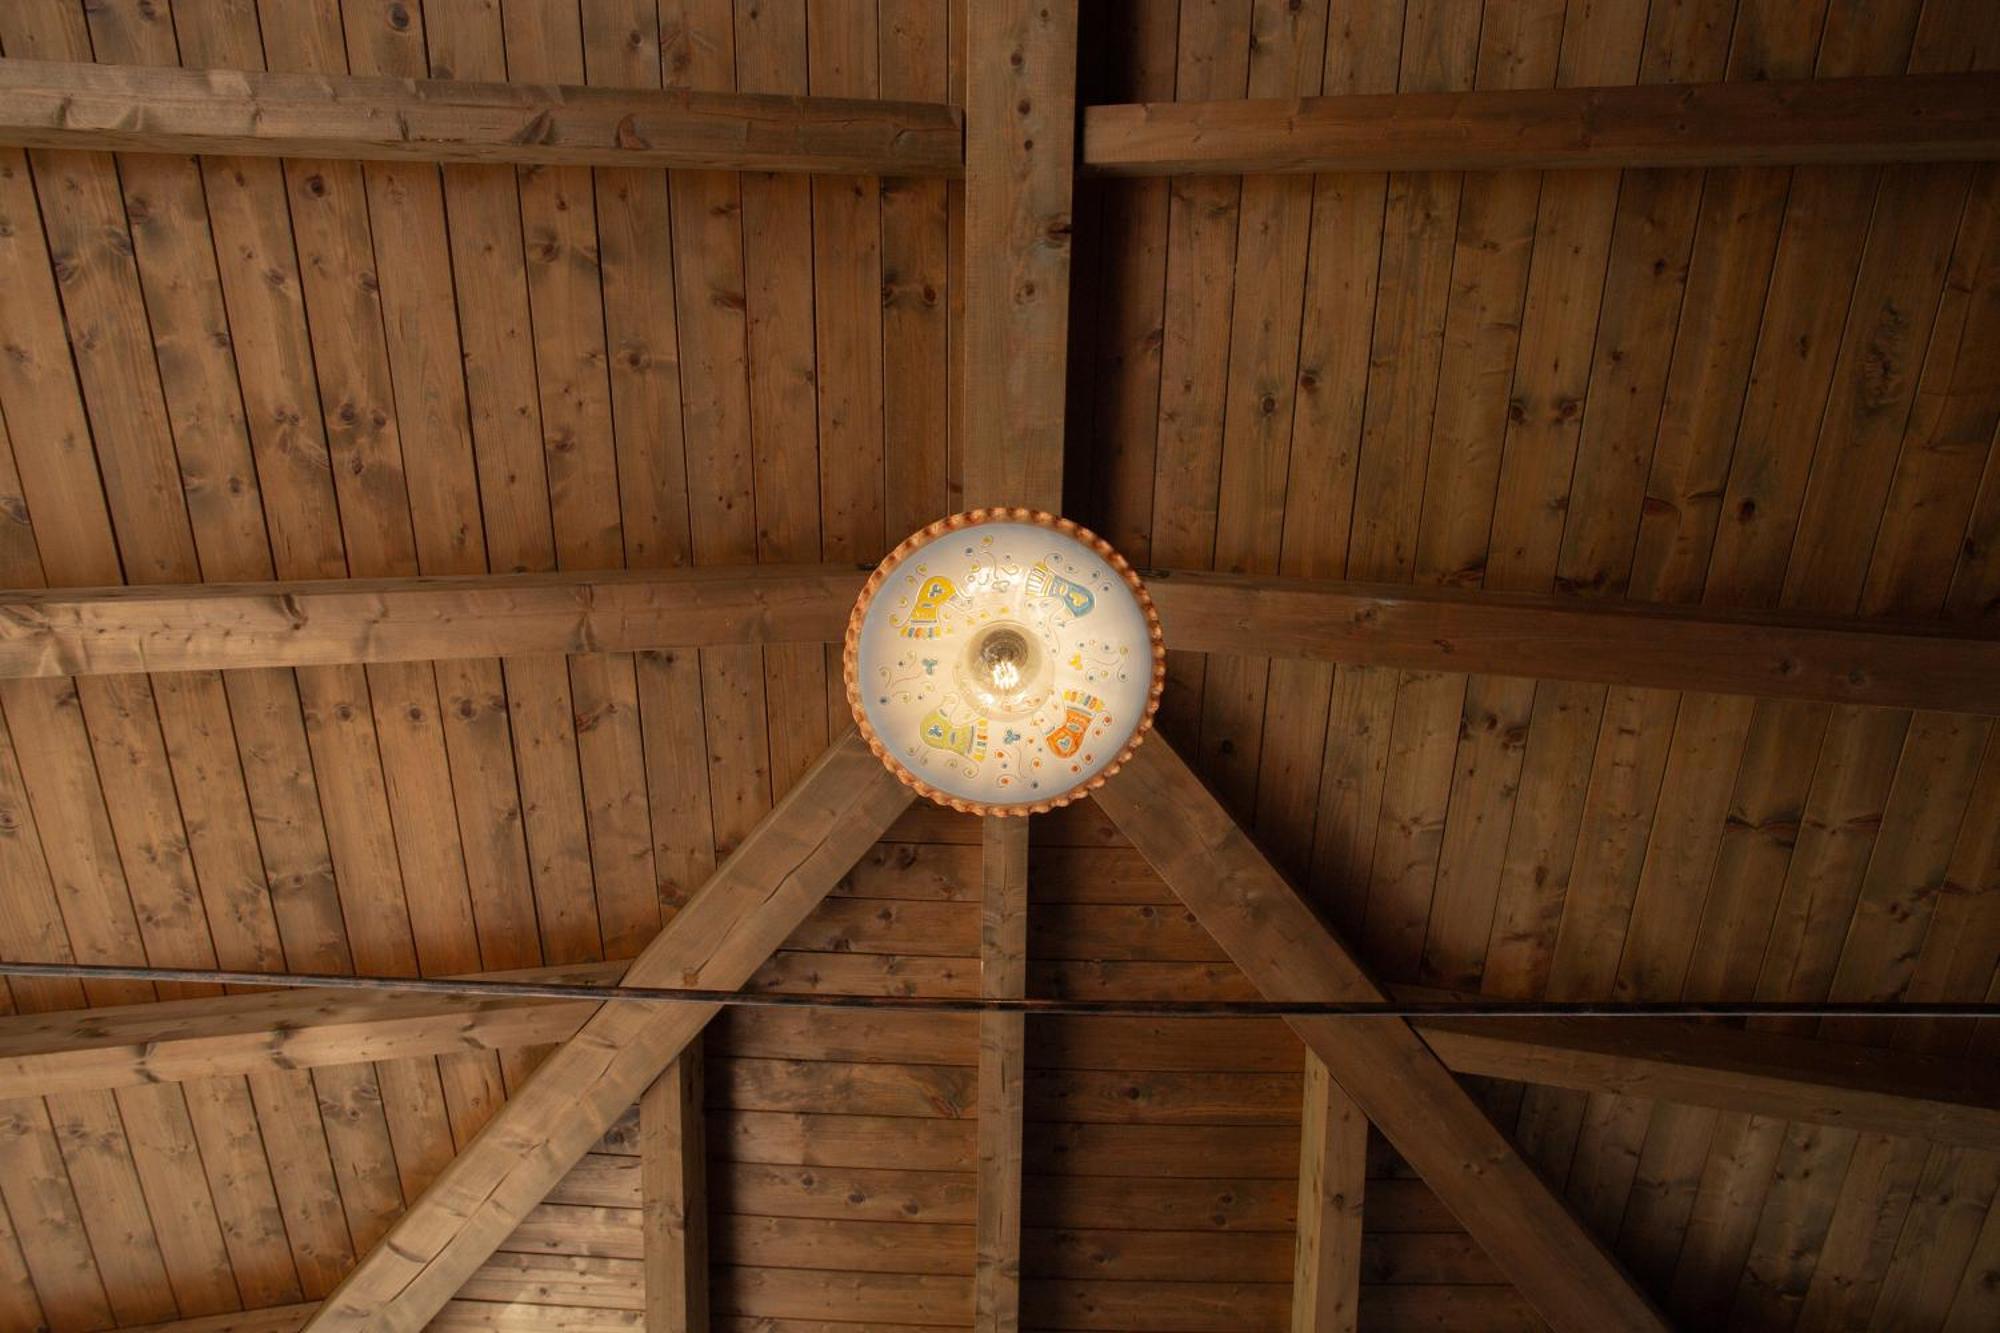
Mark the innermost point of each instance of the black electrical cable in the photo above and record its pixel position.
(472, 987)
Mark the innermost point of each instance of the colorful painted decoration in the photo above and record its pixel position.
(1043, 583)
(941, 733)
(932, 599)
(1079, 710)
(1004, 661)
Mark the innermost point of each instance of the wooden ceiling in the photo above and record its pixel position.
(1735, 389)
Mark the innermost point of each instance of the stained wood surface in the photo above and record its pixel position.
(1382, 1064)
(1907, 1094)
(1333, 1174)
(232, 112)
(210, 626)
(1020, 130)
(1003, 971)
(1928, 118)
(755, 899)
(1639, 423)
(1739, 388)
(1944, 666)
(673, 1197)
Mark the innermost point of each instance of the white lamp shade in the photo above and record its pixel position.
(1004, 661)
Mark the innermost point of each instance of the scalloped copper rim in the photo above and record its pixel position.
(850, 653)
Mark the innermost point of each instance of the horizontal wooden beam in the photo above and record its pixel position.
(1697, 1064)
(485, 1314)
(1908, 1094)
(1954, 667)
(1916, 118)
(211, 626)
(91, 631)
(273, 1319)
(52, 104)
(174, 1041)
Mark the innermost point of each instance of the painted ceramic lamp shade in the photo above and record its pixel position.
(1004, 661)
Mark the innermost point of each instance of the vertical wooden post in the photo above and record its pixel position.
(1020, 142)
(1003, 962)
(673, 1184)
(1333, 1164)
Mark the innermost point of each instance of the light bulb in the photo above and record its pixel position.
(1004, 670)
(1000, 656)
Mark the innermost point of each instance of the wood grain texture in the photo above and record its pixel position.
(1003, 962)
(673, 1157)
(1020, 114)
(1333, 1166)
(1909, 1094)
(197, 627)
(1944, 665)
(1932, 664)
(1383, 1065)
(754, 900)
(1906, 1094)
(53, 104)
(1928, 118)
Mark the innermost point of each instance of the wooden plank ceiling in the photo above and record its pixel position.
(1745, 387)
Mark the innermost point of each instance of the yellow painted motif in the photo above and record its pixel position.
(932, 598)
(969, 740)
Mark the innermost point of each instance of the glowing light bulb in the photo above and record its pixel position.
(1000, 656)
(1005, 670)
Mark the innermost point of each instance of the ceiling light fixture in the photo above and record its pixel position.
(1004, 661)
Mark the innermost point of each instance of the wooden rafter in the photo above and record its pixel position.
(205, 626)
(754, 900)
(125, 108)
(1917, 118)
(1003, 971)
(1383, 1064)
(673, 1203)
(1019, 156)
(1019, 153)
(1333, 1169)
(1904, 1093)
(1942, 665)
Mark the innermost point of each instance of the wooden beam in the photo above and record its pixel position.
(467, 1314)
(1907, 1094)
(126, 108)
(1003, 972)
(232, 1035)
(1268, 930)
(93, 631)
(673, 1197)
(1915, 118)
(1019, 149)
(754, 900)
(1904, 1093)
(1948, 666)
(274, 1319)
(1333, 1170)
